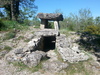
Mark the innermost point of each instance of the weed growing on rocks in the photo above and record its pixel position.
(9, 35)
(59, 56)
(8, 48)
(78, 68)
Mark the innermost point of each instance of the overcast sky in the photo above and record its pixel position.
(68, 6)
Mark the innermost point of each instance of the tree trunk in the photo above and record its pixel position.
(17, 10)
(12, 10)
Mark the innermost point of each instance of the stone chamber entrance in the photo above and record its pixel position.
(47, 43)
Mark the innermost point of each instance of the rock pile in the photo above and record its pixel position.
(68, 50)
(31, 55)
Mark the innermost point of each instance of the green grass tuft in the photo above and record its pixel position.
(8, 48)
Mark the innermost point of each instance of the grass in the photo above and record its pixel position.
(26, 40)
(20, 37)
(9, 35)
(21, 66)
(79, 68)
(65, 31)
(6, 25)
(8, 48)
(59, 56)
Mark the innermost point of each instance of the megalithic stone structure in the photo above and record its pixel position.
(45, 17)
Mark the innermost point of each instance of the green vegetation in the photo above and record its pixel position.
(20, 37)
(6, 25)
(9, 35)
(22, 66)
(18, 9)
(80, 21)
(8, 48)
(59, 56)
(79, 68)
(93, 29)
(50, 25)
(26, 40)
(16, 14)
(65, 31)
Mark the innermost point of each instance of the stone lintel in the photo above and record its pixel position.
(50, 16)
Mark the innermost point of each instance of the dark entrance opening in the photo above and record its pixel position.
(49, 43)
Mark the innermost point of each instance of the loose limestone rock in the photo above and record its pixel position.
(34, 58)
(32, 44)
(54, 66)
(29, 59)
(69, 52)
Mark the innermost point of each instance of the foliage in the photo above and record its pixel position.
(36, 22)
(78, 22)
(93, 29)
(97, 21)
(27, 9)
(50, 25)
(18, 9)
(10, 25)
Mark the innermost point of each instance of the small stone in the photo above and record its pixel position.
(33, 59)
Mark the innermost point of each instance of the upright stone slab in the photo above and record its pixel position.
(56, 25)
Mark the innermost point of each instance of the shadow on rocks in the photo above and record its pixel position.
(90, 42)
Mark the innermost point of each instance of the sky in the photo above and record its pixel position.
(68, 6)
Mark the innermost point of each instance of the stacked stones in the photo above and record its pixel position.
(45, 17)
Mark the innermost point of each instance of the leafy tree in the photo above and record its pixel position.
(12, 7)
(78, 22)
(97, 20)
(85, 18)
(27, 9)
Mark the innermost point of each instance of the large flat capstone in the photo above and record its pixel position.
(51, 16)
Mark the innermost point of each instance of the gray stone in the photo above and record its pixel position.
(33, 59)
(47, 32)
(56, 25)
(18, 51)
(68, 50)
(11, 57)
(1, 46)
(3, 53)
(54, 66)
(50, 16)
(31, 45)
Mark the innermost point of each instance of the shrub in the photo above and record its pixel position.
(93, 29)
(10, 25)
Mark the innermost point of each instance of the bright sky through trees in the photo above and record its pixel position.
(68, 6)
